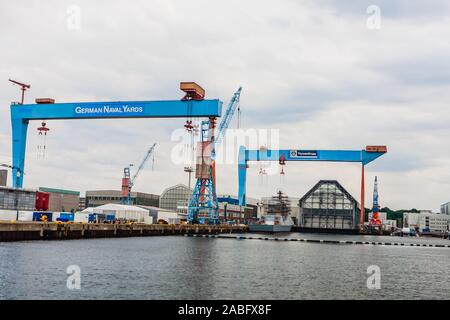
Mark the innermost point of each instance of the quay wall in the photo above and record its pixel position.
(20, 231)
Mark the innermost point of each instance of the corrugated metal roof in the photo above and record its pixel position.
(18, 189)
(45, 189)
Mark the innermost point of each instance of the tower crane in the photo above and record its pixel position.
(127, 182)
(203, 206)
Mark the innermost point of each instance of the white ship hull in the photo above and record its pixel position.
(269, 228)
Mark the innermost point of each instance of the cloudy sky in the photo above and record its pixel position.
(327, 75)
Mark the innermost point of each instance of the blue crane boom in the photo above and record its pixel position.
(127, 183)
(223, 126)
(144, 161)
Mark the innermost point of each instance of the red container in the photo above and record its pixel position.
(42, 200)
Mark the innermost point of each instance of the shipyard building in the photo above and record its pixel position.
(17, 199)
(62, 200)
(328, 207)
(97, 198)
(426, 221)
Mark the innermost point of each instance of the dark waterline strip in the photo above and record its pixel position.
(322, 241)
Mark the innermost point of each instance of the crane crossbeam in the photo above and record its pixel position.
(22, 114)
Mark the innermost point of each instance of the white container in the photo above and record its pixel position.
(8, 215)
(174, 221)
(81, 217)
(25, 215)
(169, 217)
(148, 220)
(55, 216)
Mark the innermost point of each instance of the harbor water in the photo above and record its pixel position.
(177, 267)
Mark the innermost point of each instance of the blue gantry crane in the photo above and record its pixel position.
(46, 109)
(127, 182)
(203, 207)
(359, 156)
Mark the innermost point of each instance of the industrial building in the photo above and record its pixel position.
(17, 199)
(445, 208)
(328, 206)
(425, 221)
(62, 200)
(175, 198)
(82, 204)
(95, 198)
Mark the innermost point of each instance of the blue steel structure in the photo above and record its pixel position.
(361, 156)
(22, 114)
(203, 207)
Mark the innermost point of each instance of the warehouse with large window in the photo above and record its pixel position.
(176, 198)
(328, 206)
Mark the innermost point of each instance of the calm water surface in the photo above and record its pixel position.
(199, 268)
